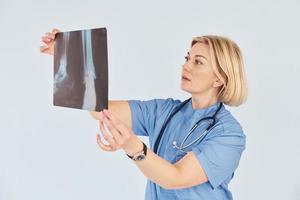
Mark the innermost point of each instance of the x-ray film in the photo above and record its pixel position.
(81, 69)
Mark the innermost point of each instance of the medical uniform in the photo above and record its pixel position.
(219, 152)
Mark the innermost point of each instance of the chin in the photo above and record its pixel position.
(184, 88)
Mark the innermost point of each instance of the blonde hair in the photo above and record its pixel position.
(228, 66)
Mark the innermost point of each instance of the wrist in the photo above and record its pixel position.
(133, 146)
(139, 156)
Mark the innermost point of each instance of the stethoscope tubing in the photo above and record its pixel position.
(202, 136)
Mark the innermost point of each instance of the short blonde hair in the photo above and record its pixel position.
(228, 66)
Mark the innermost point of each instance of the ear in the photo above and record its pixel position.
(217, 83)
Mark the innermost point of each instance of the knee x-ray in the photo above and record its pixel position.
(81, 69)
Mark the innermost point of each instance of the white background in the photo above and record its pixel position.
(49, 152)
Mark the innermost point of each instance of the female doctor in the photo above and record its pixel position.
(196, 144)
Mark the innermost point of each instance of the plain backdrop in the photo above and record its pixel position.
(49, 152)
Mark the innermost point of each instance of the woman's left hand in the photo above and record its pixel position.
(121, 136)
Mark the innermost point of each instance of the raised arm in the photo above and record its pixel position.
(118, 108)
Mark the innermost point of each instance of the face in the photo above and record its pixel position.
(197, 72)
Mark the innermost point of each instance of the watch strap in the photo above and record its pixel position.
(144, 151)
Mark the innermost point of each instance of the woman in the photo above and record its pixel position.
(201, 165)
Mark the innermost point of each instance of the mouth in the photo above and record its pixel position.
(185, 78)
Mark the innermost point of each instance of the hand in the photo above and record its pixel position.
(49, 41)
(95, 115)
(120, 137)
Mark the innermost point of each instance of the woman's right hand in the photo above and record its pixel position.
(49, 40)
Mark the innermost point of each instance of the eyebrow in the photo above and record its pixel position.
(198, 55)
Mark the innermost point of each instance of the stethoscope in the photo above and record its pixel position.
(199, 138)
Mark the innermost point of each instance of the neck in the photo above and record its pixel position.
(200, 101)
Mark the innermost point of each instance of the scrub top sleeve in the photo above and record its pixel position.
(219, 156)
(144, 114)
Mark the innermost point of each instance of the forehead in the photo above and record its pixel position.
(200, 49)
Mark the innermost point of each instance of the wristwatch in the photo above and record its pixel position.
(139, 156)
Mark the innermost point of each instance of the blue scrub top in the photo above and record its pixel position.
(219, 153)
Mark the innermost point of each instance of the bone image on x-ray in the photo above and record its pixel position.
(89, 100)
(80, 69)
(61, 75)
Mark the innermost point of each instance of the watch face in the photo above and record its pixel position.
(140, 157)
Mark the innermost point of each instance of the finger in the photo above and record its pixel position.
(103, 146)
(111, 127)
(55, 30)
(107, 136)
(116, 122)
(95, 115)
(50, 35)
(46, 39)
(109, 115)
(43, 48)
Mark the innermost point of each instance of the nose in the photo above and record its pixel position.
(186, 67)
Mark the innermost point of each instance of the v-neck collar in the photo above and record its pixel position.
(192, 114)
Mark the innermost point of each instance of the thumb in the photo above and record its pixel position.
(95, 115)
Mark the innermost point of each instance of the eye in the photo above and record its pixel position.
(198, 62)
